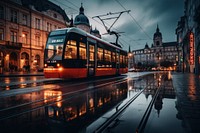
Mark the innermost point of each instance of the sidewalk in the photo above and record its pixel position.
(21, 74)
(187, 87)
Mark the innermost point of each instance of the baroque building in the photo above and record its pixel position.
(159, 55)
(24, 28)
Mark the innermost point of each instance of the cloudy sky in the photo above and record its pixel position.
(138, 25)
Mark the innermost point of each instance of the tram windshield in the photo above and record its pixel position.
(54, 48)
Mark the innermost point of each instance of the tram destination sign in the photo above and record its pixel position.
(58, 40)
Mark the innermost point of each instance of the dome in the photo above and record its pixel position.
(81, 18)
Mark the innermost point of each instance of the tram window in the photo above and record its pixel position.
(100, 54)
(55, 51)
(50, 51)
(59, 50)
(117, 58)
(82, 50)
(91, 53)
(124, 59)
(107, 55)
(113, 57)
(121, 59)
(71, 50)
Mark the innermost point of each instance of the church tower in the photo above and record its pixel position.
(157, 38)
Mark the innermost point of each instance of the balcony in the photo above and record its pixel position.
(13, 45)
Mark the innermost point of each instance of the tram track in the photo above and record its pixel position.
(115, 117)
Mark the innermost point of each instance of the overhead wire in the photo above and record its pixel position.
(127, 43)
(134, 20)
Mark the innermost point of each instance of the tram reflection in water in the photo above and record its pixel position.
(84, 109)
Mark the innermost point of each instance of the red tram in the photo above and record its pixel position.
(73, 53)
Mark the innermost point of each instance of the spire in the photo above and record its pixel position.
(71, 21)
(81, 9)
(146, 46)
(157, 30)
(129, 49)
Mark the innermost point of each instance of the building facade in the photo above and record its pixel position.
(188, 36)
(159, 56)
(24, 28)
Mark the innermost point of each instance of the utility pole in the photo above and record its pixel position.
(107, 16)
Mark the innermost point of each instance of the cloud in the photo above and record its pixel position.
(147, 13)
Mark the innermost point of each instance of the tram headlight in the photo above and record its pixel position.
(60, 69)
(45, 65)
(58, 65)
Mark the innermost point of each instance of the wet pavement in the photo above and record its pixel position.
(176, 109)
(21, 74)
(187, 88)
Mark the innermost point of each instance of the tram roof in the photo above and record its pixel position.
(80, 31)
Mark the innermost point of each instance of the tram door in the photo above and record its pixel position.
(91, 60)
(117, 63)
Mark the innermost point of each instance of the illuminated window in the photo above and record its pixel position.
(82, 51)
(113, 57)
(50, 51)
(121, 58)
(100, 54)
(24, 38)
(124, 59)
(71, 50)
(107, 55)
(91, 53)
(117, 58)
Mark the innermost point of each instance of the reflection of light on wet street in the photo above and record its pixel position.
(33, 78)
(130, 83)
(23, 85)
(7, 80)
(50, 95)
(59, 106)
(192, 88)
(7, 88)
(169, 75)
(21, 79)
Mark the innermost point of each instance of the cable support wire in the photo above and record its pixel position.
(126, 43)
(134, 20)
